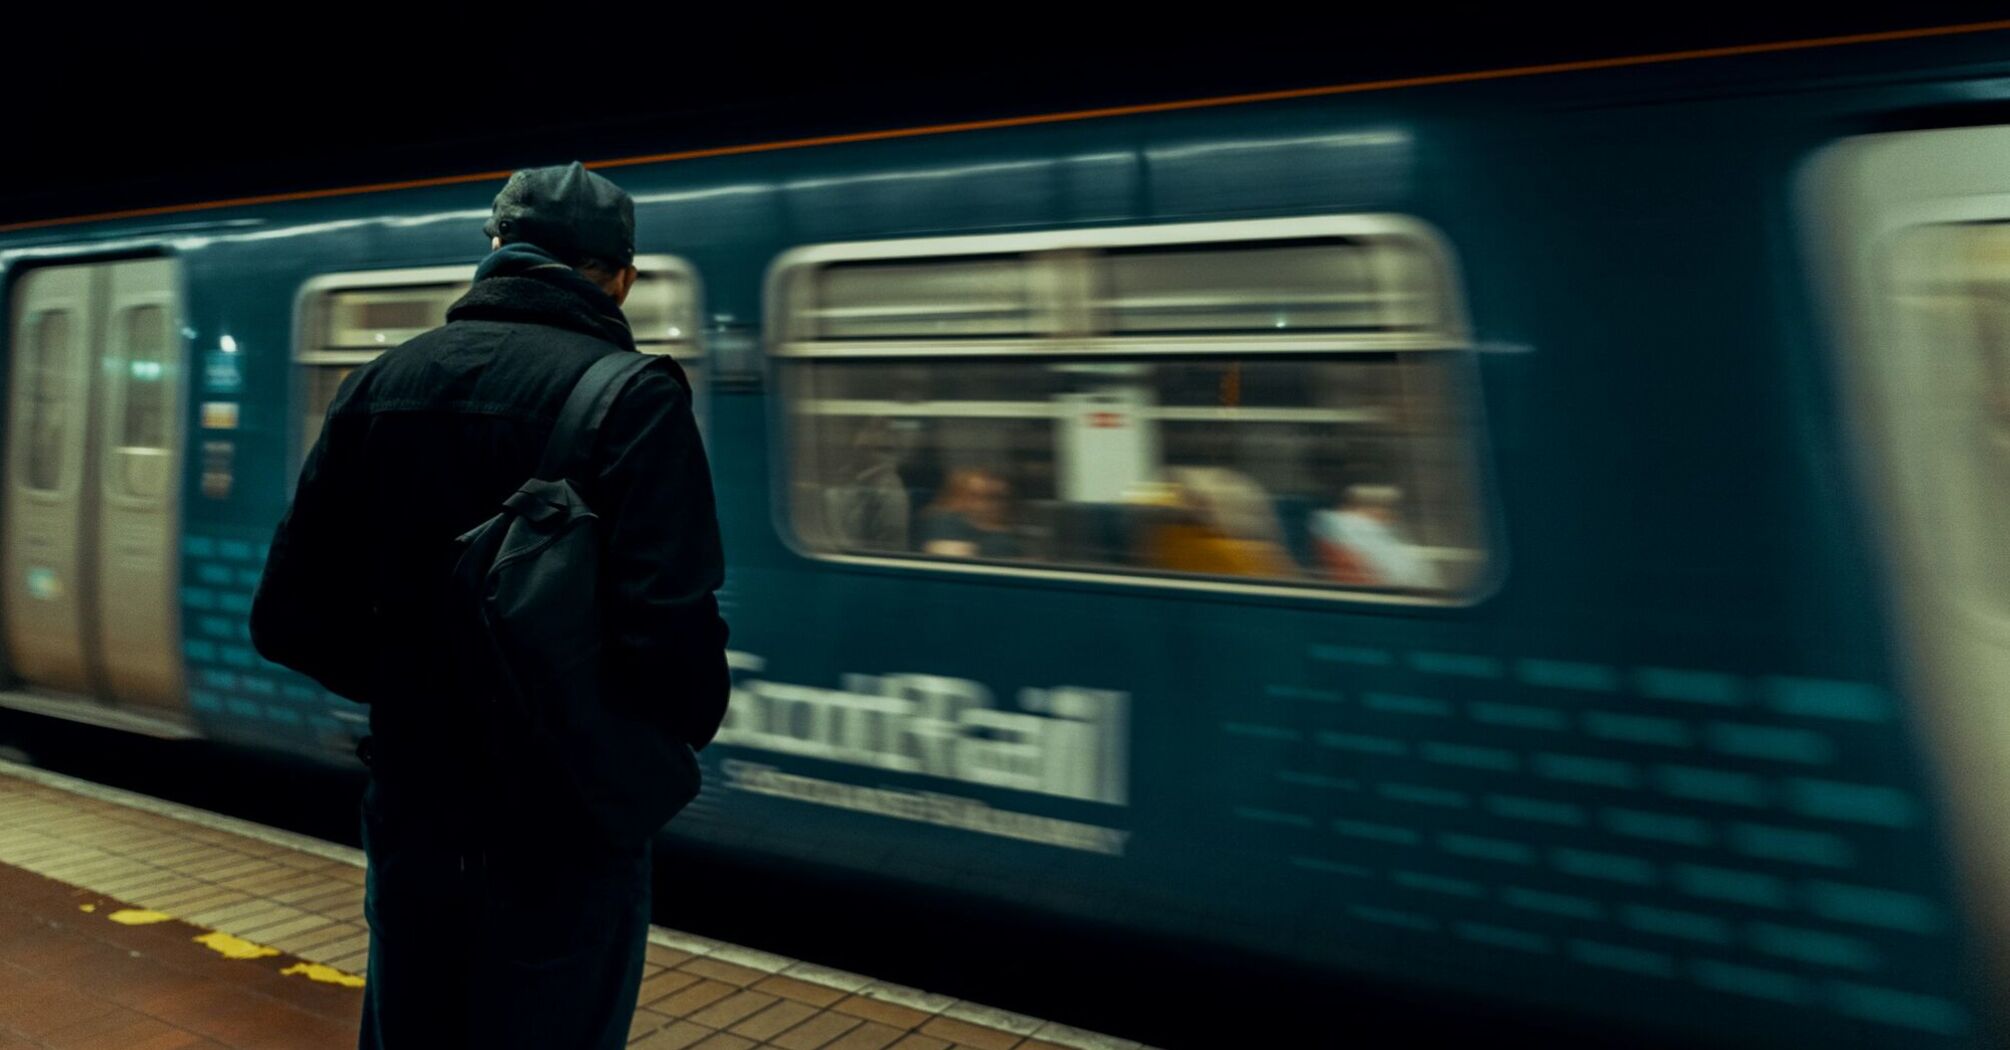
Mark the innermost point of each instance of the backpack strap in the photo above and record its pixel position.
(579, 420)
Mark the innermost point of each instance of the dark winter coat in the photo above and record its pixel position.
(425, 442)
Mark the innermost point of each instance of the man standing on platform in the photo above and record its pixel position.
(498, 919)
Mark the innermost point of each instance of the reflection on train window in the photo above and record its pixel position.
(141, 442)
(146, 339)
(351, 318)
(1290, 413)
(49, 400)
(1953, 283)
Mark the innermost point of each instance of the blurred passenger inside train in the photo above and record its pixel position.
(1363, 542)
(1222, 524)
(868, 508)
(970, 518)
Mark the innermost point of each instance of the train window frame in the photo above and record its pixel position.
(1071, 337)
(67, 467)
(119, 400)
(1936, 496)
(307, 311)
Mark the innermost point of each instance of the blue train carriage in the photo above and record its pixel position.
(1524, 535)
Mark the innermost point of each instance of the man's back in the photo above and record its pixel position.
(443, 429)
(425, 443)
(495, 921)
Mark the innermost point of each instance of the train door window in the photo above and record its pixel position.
(349, 319)
(1272, 403)
(53, 355)
(140, 369)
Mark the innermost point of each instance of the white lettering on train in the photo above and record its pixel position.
(1067, 741)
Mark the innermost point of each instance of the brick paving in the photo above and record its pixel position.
(80, 864)
(72, 979)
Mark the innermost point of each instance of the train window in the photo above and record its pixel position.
(1953, 285)
(1250, 288)
(348, 319)
(918, 299)
(323, 381)
(146, 340)
(53, 357)
(662, 310)
(141, 440)
(368, 320)
(1271, 403)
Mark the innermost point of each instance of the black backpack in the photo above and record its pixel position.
(527, 582)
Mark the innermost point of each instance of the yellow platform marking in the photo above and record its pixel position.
(138, 917)
(234, 947)
(324, 974)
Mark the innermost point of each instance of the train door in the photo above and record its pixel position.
(92, 498)
(1917, 228)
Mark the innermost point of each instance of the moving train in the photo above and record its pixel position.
(1535, 532)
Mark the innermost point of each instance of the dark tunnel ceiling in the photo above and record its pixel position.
(166, 113)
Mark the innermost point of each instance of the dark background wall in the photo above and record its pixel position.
(106, 110)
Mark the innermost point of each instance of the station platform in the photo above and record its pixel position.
(130, 923)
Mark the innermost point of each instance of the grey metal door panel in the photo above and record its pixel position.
(92, 490)
(138, 453)
(48, 412)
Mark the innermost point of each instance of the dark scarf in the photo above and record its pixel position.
(526, 284)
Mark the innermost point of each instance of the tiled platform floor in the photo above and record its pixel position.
(103, 895)
(73, 979)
